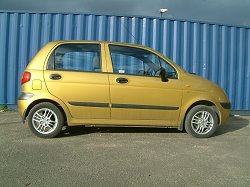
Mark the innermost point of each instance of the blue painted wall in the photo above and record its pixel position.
(220, 53)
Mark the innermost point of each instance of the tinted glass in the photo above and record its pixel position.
(135, 61)
(77, 57)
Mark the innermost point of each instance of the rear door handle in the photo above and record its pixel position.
(55, 76)
(121, 80)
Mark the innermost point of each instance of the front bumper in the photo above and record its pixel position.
(226, 105)
(225, 111)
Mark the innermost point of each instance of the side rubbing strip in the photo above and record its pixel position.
(145, 107)
(124, 106)
(89, 104)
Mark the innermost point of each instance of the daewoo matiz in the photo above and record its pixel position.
(102, 83)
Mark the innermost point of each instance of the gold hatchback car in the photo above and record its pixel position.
(95, 83)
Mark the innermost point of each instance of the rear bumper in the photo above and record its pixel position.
(24, 100)
(22, 108)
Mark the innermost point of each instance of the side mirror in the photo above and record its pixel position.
(163, 75)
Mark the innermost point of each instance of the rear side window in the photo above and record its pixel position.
(76, 57)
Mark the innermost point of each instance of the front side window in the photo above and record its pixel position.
(76, 57)
(135, 61)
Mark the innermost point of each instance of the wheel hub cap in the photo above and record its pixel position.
(44, 121)
(202, 122)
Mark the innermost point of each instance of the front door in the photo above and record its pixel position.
(136, 89)
(74, 75)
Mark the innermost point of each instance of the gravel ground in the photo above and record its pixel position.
(124, 156)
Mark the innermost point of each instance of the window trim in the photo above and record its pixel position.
(160, 58)
(68, 70)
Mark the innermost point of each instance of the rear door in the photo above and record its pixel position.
(75, 75)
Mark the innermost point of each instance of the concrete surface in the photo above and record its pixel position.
(124, 156)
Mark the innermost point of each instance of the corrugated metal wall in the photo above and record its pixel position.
(219, 53)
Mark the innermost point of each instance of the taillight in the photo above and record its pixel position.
(26, 77)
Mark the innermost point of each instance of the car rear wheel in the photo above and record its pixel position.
(45, 120)
(201, 121)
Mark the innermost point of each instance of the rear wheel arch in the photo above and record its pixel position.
(36, 102)
(201, 102)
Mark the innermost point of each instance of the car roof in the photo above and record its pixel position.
(95, 41)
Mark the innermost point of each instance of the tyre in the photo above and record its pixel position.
(201, 122)
(45, 120)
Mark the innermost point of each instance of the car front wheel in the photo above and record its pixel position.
(45, 120)
(201, 121)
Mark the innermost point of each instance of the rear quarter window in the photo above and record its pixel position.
(76, 57)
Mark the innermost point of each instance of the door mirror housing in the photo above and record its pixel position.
(163, 75)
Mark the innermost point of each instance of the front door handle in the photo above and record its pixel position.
(121, 80)
(55, 76)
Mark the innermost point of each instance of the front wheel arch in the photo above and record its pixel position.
(201, 121)
(201, 102)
